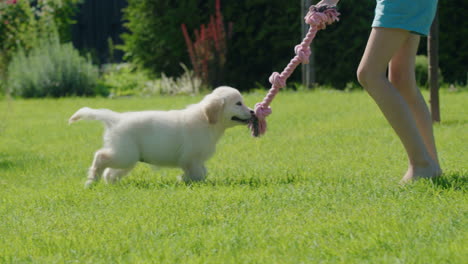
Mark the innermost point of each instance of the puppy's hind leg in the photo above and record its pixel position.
(113, 175)
(194, 173)
(101, 159)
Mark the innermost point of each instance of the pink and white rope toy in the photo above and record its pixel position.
(318, 18)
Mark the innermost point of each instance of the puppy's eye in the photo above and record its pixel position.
(239, 103)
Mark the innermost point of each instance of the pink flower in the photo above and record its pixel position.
(11, 2)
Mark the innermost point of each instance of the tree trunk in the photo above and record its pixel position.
(433, 71)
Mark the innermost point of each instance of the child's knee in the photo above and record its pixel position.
(370, 78)
(363, 76)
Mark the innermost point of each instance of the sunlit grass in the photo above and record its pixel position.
(320, 186)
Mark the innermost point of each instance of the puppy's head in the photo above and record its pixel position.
(225, 105)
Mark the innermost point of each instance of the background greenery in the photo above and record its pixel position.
(265, 33)
(320, 186)
(260, 43)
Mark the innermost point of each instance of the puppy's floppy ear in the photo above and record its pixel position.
(213, 108)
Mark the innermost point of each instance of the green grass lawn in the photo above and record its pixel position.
(320, 187)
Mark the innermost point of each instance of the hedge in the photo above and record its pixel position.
(265, 33)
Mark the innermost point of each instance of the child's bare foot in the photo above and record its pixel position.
(429, 171)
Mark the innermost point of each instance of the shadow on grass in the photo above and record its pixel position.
(6, 164)
(19, 160)
(252, 182)
(453, 180)
(453, 122)
(147, 184)
(457, 181)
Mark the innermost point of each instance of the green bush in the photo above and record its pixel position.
(126, 80)
(422, 68)
(123, 79)
(155, 40)
(51, 70)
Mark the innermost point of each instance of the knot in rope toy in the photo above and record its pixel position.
(318, 18)
(277, 80)
(303, 53)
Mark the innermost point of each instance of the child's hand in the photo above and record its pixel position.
(327, 2)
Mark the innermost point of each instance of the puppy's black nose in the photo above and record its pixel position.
(252, 112)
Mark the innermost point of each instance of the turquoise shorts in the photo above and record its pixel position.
(415, 16)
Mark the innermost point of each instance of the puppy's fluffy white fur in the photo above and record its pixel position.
(179, 138)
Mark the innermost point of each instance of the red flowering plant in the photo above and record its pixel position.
(208, 51)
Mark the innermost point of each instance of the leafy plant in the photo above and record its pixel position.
(51, 69)
(123, 79)
(62, 13)
(17, 29)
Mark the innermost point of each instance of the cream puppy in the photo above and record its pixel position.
(179, 138)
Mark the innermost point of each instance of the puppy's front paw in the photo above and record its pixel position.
(88, 184)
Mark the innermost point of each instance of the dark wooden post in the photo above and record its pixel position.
(433, 71)
(308, 70)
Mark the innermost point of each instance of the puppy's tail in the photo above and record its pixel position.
(108, 117)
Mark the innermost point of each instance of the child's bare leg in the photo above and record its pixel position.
(382, 45)
(402, 76)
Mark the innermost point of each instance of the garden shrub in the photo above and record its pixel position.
(123, 79)
(422, 69)
(127, 80)
(51, 69)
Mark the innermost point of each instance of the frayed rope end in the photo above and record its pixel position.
(258, 124)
